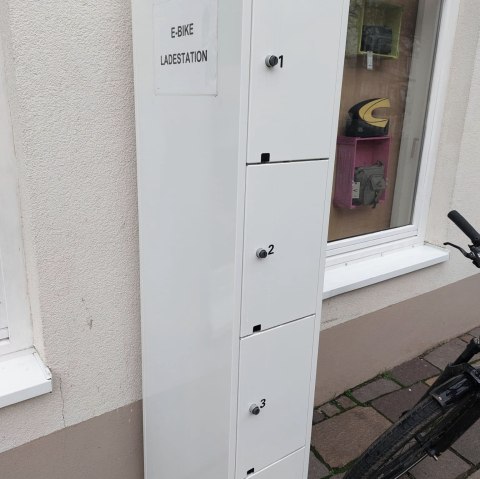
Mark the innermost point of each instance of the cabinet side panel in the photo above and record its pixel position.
(187, 181)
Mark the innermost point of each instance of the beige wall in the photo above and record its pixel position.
(69, 70)
(69, 67)
(357, 351)
(105, 447)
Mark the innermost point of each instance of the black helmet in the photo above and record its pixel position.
(361, 121)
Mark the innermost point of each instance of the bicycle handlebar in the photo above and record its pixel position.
(465, 226)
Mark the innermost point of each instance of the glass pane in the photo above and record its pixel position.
(389, 61)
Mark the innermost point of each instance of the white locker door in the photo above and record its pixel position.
(291, 104)
(275, 369)
(284, 215)
(289, 468)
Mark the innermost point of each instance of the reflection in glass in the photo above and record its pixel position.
(389, 60)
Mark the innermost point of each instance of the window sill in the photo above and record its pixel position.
(23, 376)
(345, 277)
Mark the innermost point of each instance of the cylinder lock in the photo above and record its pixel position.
(262, 253)
(271, 61)
(254, 409)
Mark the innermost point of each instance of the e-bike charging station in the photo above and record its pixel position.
(237, 111)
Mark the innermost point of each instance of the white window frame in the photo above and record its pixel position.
(12, 263)
(22, 373)
(351, 250)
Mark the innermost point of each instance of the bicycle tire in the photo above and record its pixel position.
(428, 417)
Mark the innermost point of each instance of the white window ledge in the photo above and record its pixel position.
(352, 275)
(23, 376)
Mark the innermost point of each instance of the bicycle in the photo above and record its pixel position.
(446, 411)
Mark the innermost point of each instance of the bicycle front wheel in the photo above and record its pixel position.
(406, 443)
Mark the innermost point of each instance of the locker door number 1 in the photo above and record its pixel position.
(272, 61)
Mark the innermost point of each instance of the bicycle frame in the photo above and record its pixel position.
(456, 382)
(467, 419)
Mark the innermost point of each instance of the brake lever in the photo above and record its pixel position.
(474, 254)
(467, 255)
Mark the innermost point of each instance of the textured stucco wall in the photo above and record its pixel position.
(455, 183)
(70, 80)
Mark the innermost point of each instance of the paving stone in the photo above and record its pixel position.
(446, 353)
(341, 439)
(466, 337)
(413, 371)
(329, 410)
(394, 404)
(475, 332)
(375, 389)
(468, 445)
(475, 475)
(318, 416)
(316, 470)
(345, 402)
(449, 466)
(430, 381)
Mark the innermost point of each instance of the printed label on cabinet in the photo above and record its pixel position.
(186, 36)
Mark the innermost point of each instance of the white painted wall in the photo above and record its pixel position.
(69, 71)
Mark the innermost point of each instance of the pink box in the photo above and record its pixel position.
(351, 153)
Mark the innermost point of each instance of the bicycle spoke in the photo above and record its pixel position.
(412, 466)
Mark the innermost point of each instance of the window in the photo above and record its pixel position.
(394, 81)
(22, 373)
(15, 323)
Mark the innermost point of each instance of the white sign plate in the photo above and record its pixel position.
(186, 39)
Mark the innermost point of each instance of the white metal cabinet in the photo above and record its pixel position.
(284, 217)
(275, 369)
(291, 107)
(192, 151)
(291, 467)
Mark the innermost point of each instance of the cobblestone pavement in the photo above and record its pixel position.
(347, 425)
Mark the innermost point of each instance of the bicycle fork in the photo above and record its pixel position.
(459, 381)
